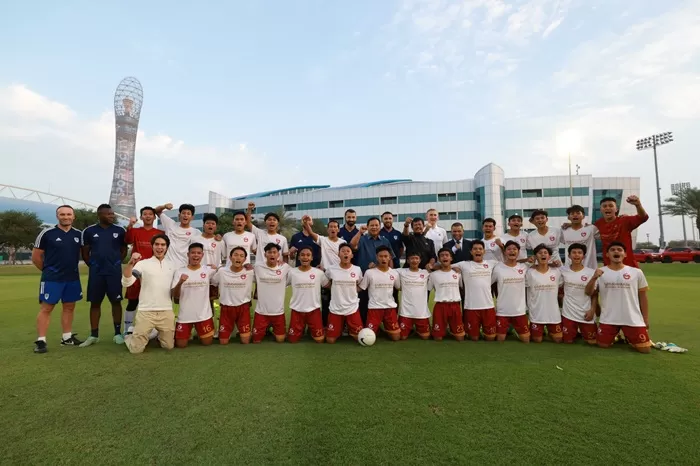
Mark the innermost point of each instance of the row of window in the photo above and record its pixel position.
(545, 192)
(526, 213)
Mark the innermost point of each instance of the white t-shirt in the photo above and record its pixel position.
(271, 285)
(381, 288)
(446, 286)
(511, 289)
(263, 238)
(576, 304)
(246, 240)
(180, 239)
(306, 289)
(438, 235)
(493, 251)
(414, 294)
(156, 277)
(551, 239)
(521, 239)
(344, 297)
(619, 296)
(214, 251)
(585, 236)
(194, 294)
(476, 277)
(329, 251)
(235, 288)
(542, 293)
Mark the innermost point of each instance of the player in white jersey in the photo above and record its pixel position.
(493, 247)
(578, 233)
(578, 309)
(511, 306)
(270, 285)
(190, 286)
(622, 292)
(269, 235)
(543, 284)
(345, 301)
(306, 283)
(240, 238)
(180, 234)
(380, 282)
(214, 255)
(549, 236)
(479, 312)
(515, 222)
(235, 288)
(448, 308)
(413, 309)
(433, 231)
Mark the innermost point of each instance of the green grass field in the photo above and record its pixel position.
(401, 403)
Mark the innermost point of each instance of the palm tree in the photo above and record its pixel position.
(288, 225)
(686, 204)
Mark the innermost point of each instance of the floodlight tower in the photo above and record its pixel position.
(127, 110)
(650, 143)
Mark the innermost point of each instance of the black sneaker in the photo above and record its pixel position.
(72, 341)
(40, 346)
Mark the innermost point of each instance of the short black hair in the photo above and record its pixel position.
(195, 245)
(344, 245)
(207, 217)
(143, 209)
(478, 241)
(608, 199)
(189, 207)
(616, 243)
(540, 247)
(387, 212)
(512, 243)
(160, 236)
(65, 205)
(349, 211)
(269, 246)
(239, 212)
(417, 219)
(580, 246)
(273, 215)
(369, 220)
(446, 250)
(488, 220)
(413, 253)
(307, 247)
(333, 221)
(382, 248)
(515, 216)
(103, 206)
(537, 212)
(575, 208)
(238, 248)
(457, 224)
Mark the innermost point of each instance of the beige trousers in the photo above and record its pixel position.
(145, 321)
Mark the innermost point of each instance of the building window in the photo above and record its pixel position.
(465, 196)
(444, 197)
(448, 215)
(417, 198)
(388, 200)
(532, 193)
(512, 194)
(334, 204)
(337, 219)
(527, 213)
(290, 207)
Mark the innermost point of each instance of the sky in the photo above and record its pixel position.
(247, 96)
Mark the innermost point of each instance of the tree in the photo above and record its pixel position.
(319, 227)
(18, 230)
(647, 245)
(688, 203)
(678, 243)
(84, 218)
(225, 223)
(288, 225)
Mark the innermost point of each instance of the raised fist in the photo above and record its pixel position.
(597, 273)
(168, 206)
(634, 200)
(363, 229)
(251, 206)
(408, 221)
(132, 221)
(135, 257)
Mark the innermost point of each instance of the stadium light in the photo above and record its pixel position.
(650, 143)
(567, 142)
(678, 189)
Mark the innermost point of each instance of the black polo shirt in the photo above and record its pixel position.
(420, 244)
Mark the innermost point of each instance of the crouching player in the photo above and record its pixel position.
(345, 301)
(380, 282)
(190, 286)
(413, 309)
(235, 285)
(448, 302)
(511, 307)
(578, 310)
(622, 291)
(271, 285)
(542, 297)
(155, 308)
(306, 283)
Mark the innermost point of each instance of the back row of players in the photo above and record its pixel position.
(183, 263)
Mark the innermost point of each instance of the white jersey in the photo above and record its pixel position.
(511, 289)
(344, 297)
(414, 294)
(180, 239)
(438, 235)
(476, 278)
(493, 251)
(306, 289)
(521, 239)
(576, 302)
(329, 251)
(619, 296)
(271, 285)
(551, 239)
(246, 240)
(235, 288)
(542, 296)
(194, 294)
(214, 252)
(446, 286)
(263, 238)
(381, 288)
(586, 236)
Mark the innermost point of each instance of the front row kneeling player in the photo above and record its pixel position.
(345, 302)
(578, 309)
(448, 302)
(542, 297)
(511, 307)
(380, 283)
(235, 285)
(413, 309)
(271, 285)
(305, 303)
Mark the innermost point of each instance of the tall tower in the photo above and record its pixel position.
(127, 111)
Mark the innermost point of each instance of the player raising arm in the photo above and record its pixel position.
(270, 234)
(240, 237)
(544, 234)
(181, 233)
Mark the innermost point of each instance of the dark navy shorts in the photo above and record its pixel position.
(100, 286)
(53, 292)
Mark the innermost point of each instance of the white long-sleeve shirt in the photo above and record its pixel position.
(156, 277)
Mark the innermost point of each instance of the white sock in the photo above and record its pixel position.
(153, 335)
(66, 336)
(129, 318)
(42, 339)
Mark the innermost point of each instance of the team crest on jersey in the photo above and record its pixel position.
(278, 241)
(391, 277)
(552, 278)
(76, 240)
(396, 238)
(454, 275)
(493, 245)
(46, 296)
(203, 275)
(243, 277)
(584, 278)
(520, 271)
(245, 240)
(312, 276)
(626, 276)
(486, 266)
(583, 234)
(187, 233)
(213, 245)
(278, 272)
(115, 235)
(522, 240)
(330, 327)
(422, 276)
(552, 238)
(352, 274)
(179, 327)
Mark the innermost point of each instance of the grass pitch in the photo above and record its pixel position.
(401, 403)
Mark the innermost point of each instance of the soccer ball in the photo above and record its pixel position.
(366, 337)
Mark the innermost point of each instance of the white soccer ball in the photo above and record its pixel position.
(366, 337)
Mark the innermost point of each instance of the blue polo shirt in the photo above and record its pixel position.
(367, 250)
(347, 235)
(300, 240)
(61, 254)
(394, 237)
(105, 248)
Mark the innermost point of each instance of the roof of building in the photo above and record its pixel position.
(301, 189)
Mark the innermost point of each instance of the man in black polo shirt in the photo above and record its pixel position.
(349, 230)
(303, 239)
(417, 242)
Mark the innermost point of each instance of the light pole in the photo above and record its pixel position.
(571, 183)
(677, 189)
(650, 143)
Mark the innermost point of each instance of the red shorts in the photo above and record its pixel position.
(571, 327)
(519, 323)
(445, 314)
(537, 330)
(475, 319)
(299, 320)
(134, 290)
(389, 317)
(406, 325)
(336, 323)
(262, 322)
(636, 336)
(232, 317)
(205, 329)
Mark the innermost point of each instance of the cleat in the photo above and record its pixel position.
(118, 339)
(72, 341)
(89, 342)
(40, 346)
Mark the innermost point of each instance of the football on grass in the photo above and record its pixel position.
(366, 337)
